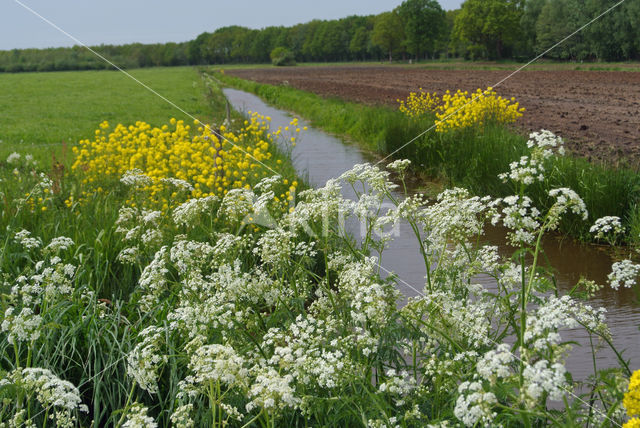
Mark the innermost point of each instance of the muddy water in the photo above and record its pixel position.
(320, 157)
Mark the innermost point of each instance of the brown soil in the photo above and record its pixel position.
(597, 112)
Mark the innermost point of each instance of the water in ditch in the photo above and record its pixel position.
(320, 157)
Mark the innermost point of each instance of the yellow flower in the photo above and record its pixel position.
(631, 400)
(632, 423)
(210, 165)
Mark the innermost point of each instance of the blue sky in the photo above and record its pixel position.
(150, 21)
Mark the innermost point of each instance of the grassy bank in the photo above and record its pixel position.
(467, 158)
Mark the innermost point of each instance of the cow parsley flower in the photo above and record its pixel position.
(153, 280)
(496, 364)
(145, 360)
(218, 363)
(474, 405)
(237, 204)
(136, 178)
(566, 199)
(623, 273)
(136, 417)
(22, 327)
(181, 417)
(187, 213)
(399, 165)
(522, 218)
(13, 158)
(61, 243)
(370, 175)
(53, 393)
(272, 391)
(542, 378)
(275, 246)
(399, 385)
(178, 183)
(605, 226)
(24, 238)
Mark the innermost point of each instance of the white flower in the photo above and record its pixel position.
(530, 169)
(398, 384)
(474, 405)
(181, 417)
(566, 199)
(369, 175)
(555, 313)
(623, 273)
(13, 158)
(178, 183)
(50, 391)
(495, 364)
(145, 360)
(137, 417)
(540, 378)
(187, 213)
(153, 280)
(274, 246)
(23, 327)
(136, 178)
(60, 243)
(219, 363)
(129, 255)
(237, 204)
(399, 165)
(608, 225)
(522, 218)
(24, 238)
(272, 392)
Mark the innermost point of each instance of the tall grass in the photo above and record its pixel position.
(471, 158)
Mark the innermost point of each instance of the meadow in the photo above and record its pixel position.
(168, 275)
(45, 109)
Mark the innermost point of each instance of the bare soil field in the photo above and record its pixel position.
(597, 112)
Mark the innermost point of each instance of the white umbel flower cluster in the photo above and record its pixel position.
(272, 392)
(624, 273)
(137, 417)
(136, 178)
(607, 227)
(145, 361)
(475, 405)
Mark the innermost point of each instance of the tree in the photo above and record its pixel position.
(489, 25)
(530, 14)
(388, 32)
(359, 43)
(557, 20)
(424, 24)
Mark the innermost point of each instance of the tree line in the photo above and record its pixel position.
(417, 30)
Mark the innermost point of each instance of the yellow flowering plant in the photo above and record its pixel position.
(177, 161)
(462, 110)
(631, 401)
(419, 103)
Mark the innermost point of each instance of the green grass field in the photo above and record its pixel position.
(44, 109)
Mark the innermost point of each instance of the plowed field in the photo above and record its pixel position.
(597, 112)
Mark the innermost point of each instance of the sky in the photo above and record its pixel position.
(158, 21)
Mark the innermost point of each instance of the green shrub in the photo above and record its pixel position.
(282, 57)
